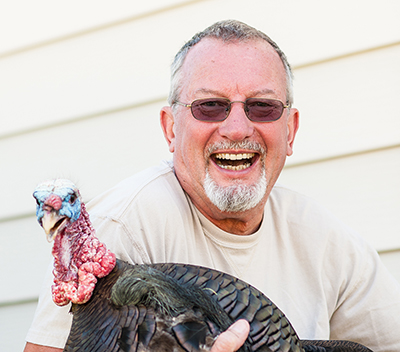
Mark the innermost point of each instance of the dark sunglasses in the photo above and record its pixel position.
(218, 109)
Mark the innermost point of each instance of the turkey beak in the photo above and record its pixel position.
(53, 224)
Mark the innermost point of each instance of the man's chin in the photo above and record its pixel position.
(236, 197)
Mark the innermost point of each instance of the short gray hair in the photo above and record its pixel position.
(227, 31)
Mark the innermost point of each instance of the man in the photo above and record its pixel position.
(230, 126)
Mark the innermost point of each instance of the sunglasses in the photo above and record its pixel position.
(218, 109)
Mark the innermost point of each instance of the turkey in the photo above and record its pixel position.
(118, 306)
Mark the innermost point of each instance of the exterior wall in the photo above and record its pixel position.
(82, 84)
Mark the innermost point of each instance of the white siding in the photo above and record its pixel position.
(43, 21)
(363, 190)
(94, 152)
(348, 105)
(14, 324)
(82, 82)
(392, 261)
(25, 250)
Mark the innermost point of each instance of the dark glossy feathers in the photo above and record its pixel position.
(333, 346)
(178, 307)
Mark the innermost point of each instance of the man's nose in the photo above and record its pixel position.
(236, 126)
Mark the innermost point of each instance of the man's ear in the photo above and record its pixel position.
(293, 126)
(167, 125)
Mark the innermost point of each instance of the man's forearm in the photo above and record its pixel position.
(31, 347)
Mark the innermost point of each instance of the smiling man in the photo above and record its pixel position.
(230, 126)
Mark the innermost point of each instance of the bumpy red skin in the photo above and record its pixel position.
(79, 257)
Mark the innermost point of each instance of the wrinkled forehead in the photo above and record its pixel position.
(242, 65)
(209, 47)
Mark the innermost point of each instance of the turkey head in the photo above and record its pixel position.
(79, 257)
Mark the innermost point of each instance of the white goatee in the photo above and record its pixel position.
(237, 197)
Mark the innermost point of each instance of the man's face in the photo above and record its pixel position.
(235, 153)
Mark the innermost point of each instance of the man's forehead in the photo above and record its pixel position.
(213, 64)
(211, 44)
(209, 50)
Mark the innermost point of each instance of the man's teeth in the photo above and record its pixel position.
(235, 168)
(221, 159)
(234, 156)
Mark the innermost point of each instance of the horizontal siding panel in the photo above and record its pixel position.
(313, 30)
(360, 26)
(362, 190)
(80, 77)
(392, 262)
(14, 324)
(24, 246)
(346, 105)
(129, 64)
(48, 20)
(94, 153)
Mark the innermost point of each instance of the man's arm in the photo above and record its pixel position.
(31, 347)
(229, 341)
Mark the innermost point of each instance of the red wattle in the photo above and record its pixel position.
(79, 259)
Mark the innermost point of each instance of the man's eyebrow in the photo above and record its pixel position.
(207, 91)
(254, 93)
(265, 91)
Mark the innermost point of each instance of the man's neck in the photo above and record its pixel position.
(240, 223)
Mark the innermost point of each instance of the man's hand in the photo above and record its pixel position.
(233, 338)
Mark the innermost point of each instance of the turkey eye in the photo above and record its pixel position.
(72, 199)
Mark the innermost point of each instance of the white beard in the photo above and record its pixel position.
(235, 198)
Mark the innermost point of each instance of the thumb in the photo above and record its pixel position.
(233, 338)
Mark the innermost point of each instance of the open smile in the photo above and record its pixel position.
(234, 162)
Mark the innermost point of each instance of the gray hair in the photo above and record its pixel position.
(228, 31)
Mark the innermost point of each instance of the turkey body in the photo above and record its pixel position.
(130, 311)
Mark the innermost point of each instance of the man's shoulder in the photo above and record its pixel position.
(304, 213)
(151, 187)
(284, 196)
(311, 225)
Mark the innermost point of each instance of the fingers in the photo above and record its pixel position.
(233, 338)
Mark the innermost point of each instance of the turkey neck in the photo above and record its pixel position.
(68, 248)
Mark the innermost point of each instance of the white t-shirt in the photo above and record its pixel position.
(327, 280)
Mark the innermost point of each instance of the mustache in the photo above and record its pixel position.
(250, 146)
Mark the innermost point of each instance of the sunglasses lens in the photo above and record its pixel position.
(263, 110)
(210, 109)
(217, 109)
